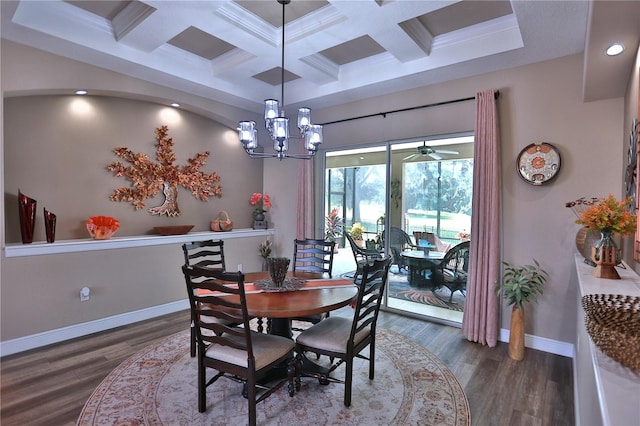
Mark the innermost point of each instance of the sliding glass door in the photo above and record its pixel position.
(405, 194)
(355, 188)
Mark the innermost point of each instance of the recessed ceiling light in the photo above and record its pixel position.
(175, 105)
(81, 92)
(615, 49)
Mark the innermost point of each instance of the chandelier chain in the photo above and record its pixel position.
(282, 61)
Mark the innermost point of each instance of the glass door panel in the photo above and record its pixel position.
(428, 198)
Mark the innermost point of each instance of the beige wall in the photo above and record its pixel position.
(55, 150)
(540, 102)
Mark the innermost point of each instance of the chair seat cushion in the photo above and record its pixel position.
(331, 334)
(266, 349)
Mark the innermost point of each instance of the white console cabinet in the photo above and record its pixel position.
(606, 393)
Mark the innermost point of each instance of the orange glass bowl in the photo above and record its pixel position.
(102, 227)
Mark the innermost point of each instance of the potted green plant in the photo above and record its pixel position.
(520, 285)
(334, 226)
(356, 232)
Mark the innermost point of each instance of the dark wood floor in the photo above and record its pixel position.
(49, 386)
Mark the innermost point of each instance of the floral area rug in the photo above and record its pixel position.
(157, 386)
(399, 288)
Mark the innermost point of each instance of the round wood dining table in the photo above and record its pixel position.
(319, 295)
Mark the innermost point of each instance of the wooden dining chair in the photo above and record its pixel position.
(207, 254)
(234, 352)
(344, 338)
(311, 255)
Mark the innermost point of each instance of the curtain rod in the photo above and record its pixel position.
(384, 114)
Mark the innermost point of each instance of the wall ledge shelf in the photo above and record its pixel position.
(84, 245)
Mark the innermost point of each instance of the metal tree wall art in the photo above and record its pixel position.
(148, 177)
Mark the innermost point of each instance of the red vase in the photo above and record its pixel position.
(27, 212)
(50, 225)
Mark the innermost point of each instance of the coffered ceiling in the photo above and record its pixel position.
(335, 50)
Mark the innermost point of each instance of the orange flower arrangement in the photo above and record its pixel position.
(609, 216)
(261, 202)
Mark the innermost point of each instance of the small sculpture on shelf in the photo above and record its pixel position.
(102, 227)
(27, 213)
(50, 225)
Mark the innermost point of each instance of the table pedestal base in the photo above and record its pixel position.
(312, 369)
(281, 327)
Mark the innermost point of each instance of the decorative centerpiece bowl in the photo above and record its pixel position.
(102, 227)
(278, 267)
(173, 230)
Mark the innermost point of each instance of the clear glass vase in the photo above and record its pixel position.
(605, 242)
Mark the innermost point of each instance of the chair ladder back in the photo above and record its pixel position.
(370, 293)
(208, 254)
(217, 295)
(313, 256)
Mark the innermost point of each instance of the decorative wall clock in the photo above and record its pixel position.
(631, 174)
(538, 163)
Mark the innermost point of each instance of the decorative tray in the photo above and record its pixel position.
(173, 230)
(289, 284)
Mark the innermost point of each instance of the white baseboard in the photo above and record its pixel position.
(542, 344)
(33, 341)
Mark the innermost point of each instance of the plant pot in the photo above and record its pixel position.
(516, 334)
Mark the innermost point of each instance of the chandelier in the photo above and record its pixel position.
(278, 124)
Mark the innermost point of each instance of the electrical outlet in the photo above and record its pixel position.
(84, 294)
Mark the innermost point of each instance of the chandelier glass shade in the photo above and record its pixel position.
(277, 124)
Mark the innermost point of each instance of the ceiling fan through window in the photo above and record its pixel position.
(436, 154)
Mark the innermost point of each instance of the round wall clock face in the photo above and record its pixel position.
(538, 163)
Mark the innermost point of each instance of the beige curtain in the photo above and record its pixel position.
(305, 223)
(481, 312)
